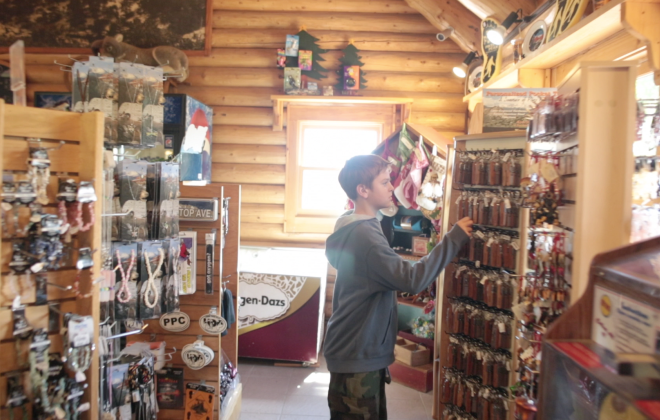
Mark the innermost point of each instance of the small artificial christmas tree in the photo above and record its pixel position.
(308, 42)
(350, 58)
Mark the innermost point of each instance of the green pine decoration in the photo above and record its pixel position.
(350, 58)
(308, 42)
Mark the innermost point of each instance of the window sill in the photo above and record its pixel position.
(280, 101)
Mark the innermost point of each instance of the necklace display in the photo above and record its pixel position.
(124, 293)
(151, 286)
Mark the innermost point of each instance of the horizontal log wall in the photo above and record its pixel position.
(401, 56)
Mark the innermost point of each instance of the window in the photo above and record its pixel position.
(320, 139)
(323, 151)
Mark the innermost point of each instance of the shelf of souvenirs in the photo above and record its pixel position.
(592, 30)
(409, 302)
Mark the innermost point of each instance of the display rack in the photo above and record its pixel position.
(80, 158)
(200, 303)
(512, 140)
(607, 340)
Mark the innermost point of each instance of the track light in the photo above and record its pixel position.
(496, 35)
(461, 71)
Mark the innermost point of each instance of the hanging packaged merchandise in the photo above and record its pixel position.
(101, 94)
(190, 123)
(163, 203)
(78, 344)
(39, 171)
(407, 190)
(169, 388)
(39, 371)
(153, 199)
(131, 96)
(80, 86)
(131, 191)
(107, 294)
(406, 145)
(197, 355)
(152, 257)
(188, 262)
(210, 262)
(152, 107)
(170, 292)
(125, 261)
(16, 397)
(200, 401)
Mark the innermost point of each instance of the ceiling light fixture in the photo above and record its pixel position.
(496, 35)
(461, 70)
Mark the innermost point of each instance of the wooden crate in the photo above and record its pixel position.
(410, 353)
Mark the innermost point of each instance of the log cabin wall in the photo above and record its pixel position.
(402, 58)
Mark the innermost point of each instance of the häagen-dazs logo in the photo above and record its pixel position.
(261, 302)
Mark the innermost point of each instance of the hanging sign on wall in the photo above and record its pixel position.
(569, 12)
(492, 52)
(212, 323)
(198, 209)
(175, 321)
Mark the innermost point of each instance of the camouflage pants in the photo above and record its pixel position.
(358, 396)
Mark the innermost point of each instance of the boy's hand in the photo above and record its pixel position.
(466, 224)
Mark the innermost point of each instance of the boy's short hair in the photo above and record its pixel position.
(360, 169)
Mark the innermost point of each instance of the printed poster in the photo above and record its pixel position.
(624, 325)
(511, 109)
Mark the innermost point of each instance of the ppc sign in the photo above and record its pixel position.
(175, 321)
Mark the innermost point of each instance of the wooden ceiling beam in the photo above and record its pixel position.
(450, 13)
(500, 9)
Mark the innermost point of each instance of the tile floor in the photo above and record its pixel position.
(297, 393)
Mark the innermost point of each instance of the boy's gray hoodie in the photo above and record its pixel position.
(363, 327)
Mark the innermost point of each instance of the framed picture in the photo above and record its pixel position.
(419, 246)
(169, 141)
(53, 100)
(96, 19)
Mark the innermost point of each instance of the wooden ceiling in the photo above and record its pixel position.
(465, 16)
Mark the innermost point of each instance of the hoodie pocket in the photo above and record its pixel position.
(387, 329)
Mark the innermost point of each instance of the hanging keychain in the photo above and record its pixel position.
(25, 196)
(79, 345)
(67, 193)
(16, 395)
(8, 199)
(84, 262)
(124, 293)
(86, 195)
(39, 370)
(39, 171)
(151, 285)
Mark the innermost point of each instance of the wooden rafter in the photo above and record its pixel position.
(451, 13)
(499, 9)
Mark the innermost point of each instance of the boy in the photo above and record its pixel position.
(359, 345)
